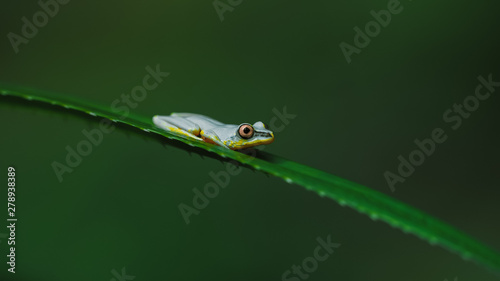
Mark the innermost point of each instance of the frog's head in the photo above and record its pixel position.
(248, 135)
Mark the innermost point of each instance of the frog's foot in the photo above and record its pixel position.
(178, 125)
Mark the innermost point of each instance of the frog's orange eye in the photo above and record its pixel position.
(245, 131)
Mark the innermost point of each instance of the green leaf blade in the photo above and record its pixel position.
(365, 200)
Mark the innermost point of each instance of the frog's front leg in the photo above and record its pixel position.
(178, 125)
(211, 137)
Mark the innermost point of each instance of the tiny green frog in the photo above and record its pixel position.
(206, 129)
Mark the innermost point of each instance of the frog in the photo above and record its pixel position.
(203, 128)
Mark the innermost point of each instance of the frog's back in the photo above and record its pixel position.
(204, 122)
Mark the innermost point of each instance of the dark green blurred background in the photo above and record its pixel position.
(119, 207)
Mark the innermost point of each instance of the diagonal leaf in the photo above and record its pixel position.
(346, 193)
